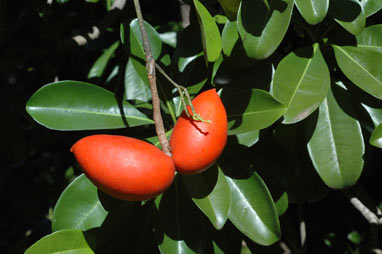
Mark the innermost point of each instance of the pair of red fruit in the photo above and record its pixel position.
(131, 169)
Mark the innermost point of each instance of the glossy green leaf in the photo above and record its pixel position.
(248, 138)
(136, 44)
(170, 38)
(250, 110)
(100, 64)
(136, 88)
(70, 241)
(253, 211)
(282, 204)
(211, 193)
(349, 14)
(230, 8)
(371, 6)
(376, 137)
(262, 26)
(230, 36)
(78, 207)
(313, 11)
(371, 38)
(234, 53)
(179, 228)
(74, 105)
(336, 147)
(361, 66)
(375, 114)
(211, 39)
(301, 82)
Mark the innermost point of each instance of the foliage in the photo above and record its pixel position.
(301, 82)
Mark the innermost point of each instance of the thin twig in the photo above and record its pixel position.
(150, 67)
(185, 13)
(302, 228)
(183, 92)
(97, 30)
(370, 216)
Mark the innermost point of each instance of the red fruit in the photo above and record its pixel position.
(123, 167)
(197, 145)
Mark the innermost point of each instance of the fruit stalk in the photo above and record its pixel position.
(150, 67)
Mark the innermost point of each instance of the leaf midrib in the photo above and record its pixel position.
(356, 63)
(302, 76)
(257, 112)
(86, 111)
(332, 138)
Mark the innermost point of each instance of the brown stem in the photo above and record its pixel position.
(150, 67)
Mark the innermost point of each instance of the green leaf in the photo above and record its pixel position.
(349, 14)
(230, 36)
(65, 241)
(253, 211)
(371, 38)
(248, 138)
(136, 44)
(136, 88)
(262, 27)
(282, 204)
(313, 11)
(234, 53)
(361, 66)
(250, 110)
(211, 40)
(211, 193)
(375, 114)
(336, 147)
(74, 105)
(301, 82)
(371, 6)
(100, 64)
(78, 207)
(170, 38)
(376, 137)
(230, 8)
(179, 228)
(355, 237)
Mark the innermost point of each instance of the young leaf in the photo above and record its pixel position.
(78, 207)
(301, 82)
(253, 211)
(349, 14)
(262, 26)
(100, 64)
(313, 11)
(63, 241)
(75, 105)
(336, 147)
(250, 110)
(210, 192)
(211, 39)
(361, 66)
